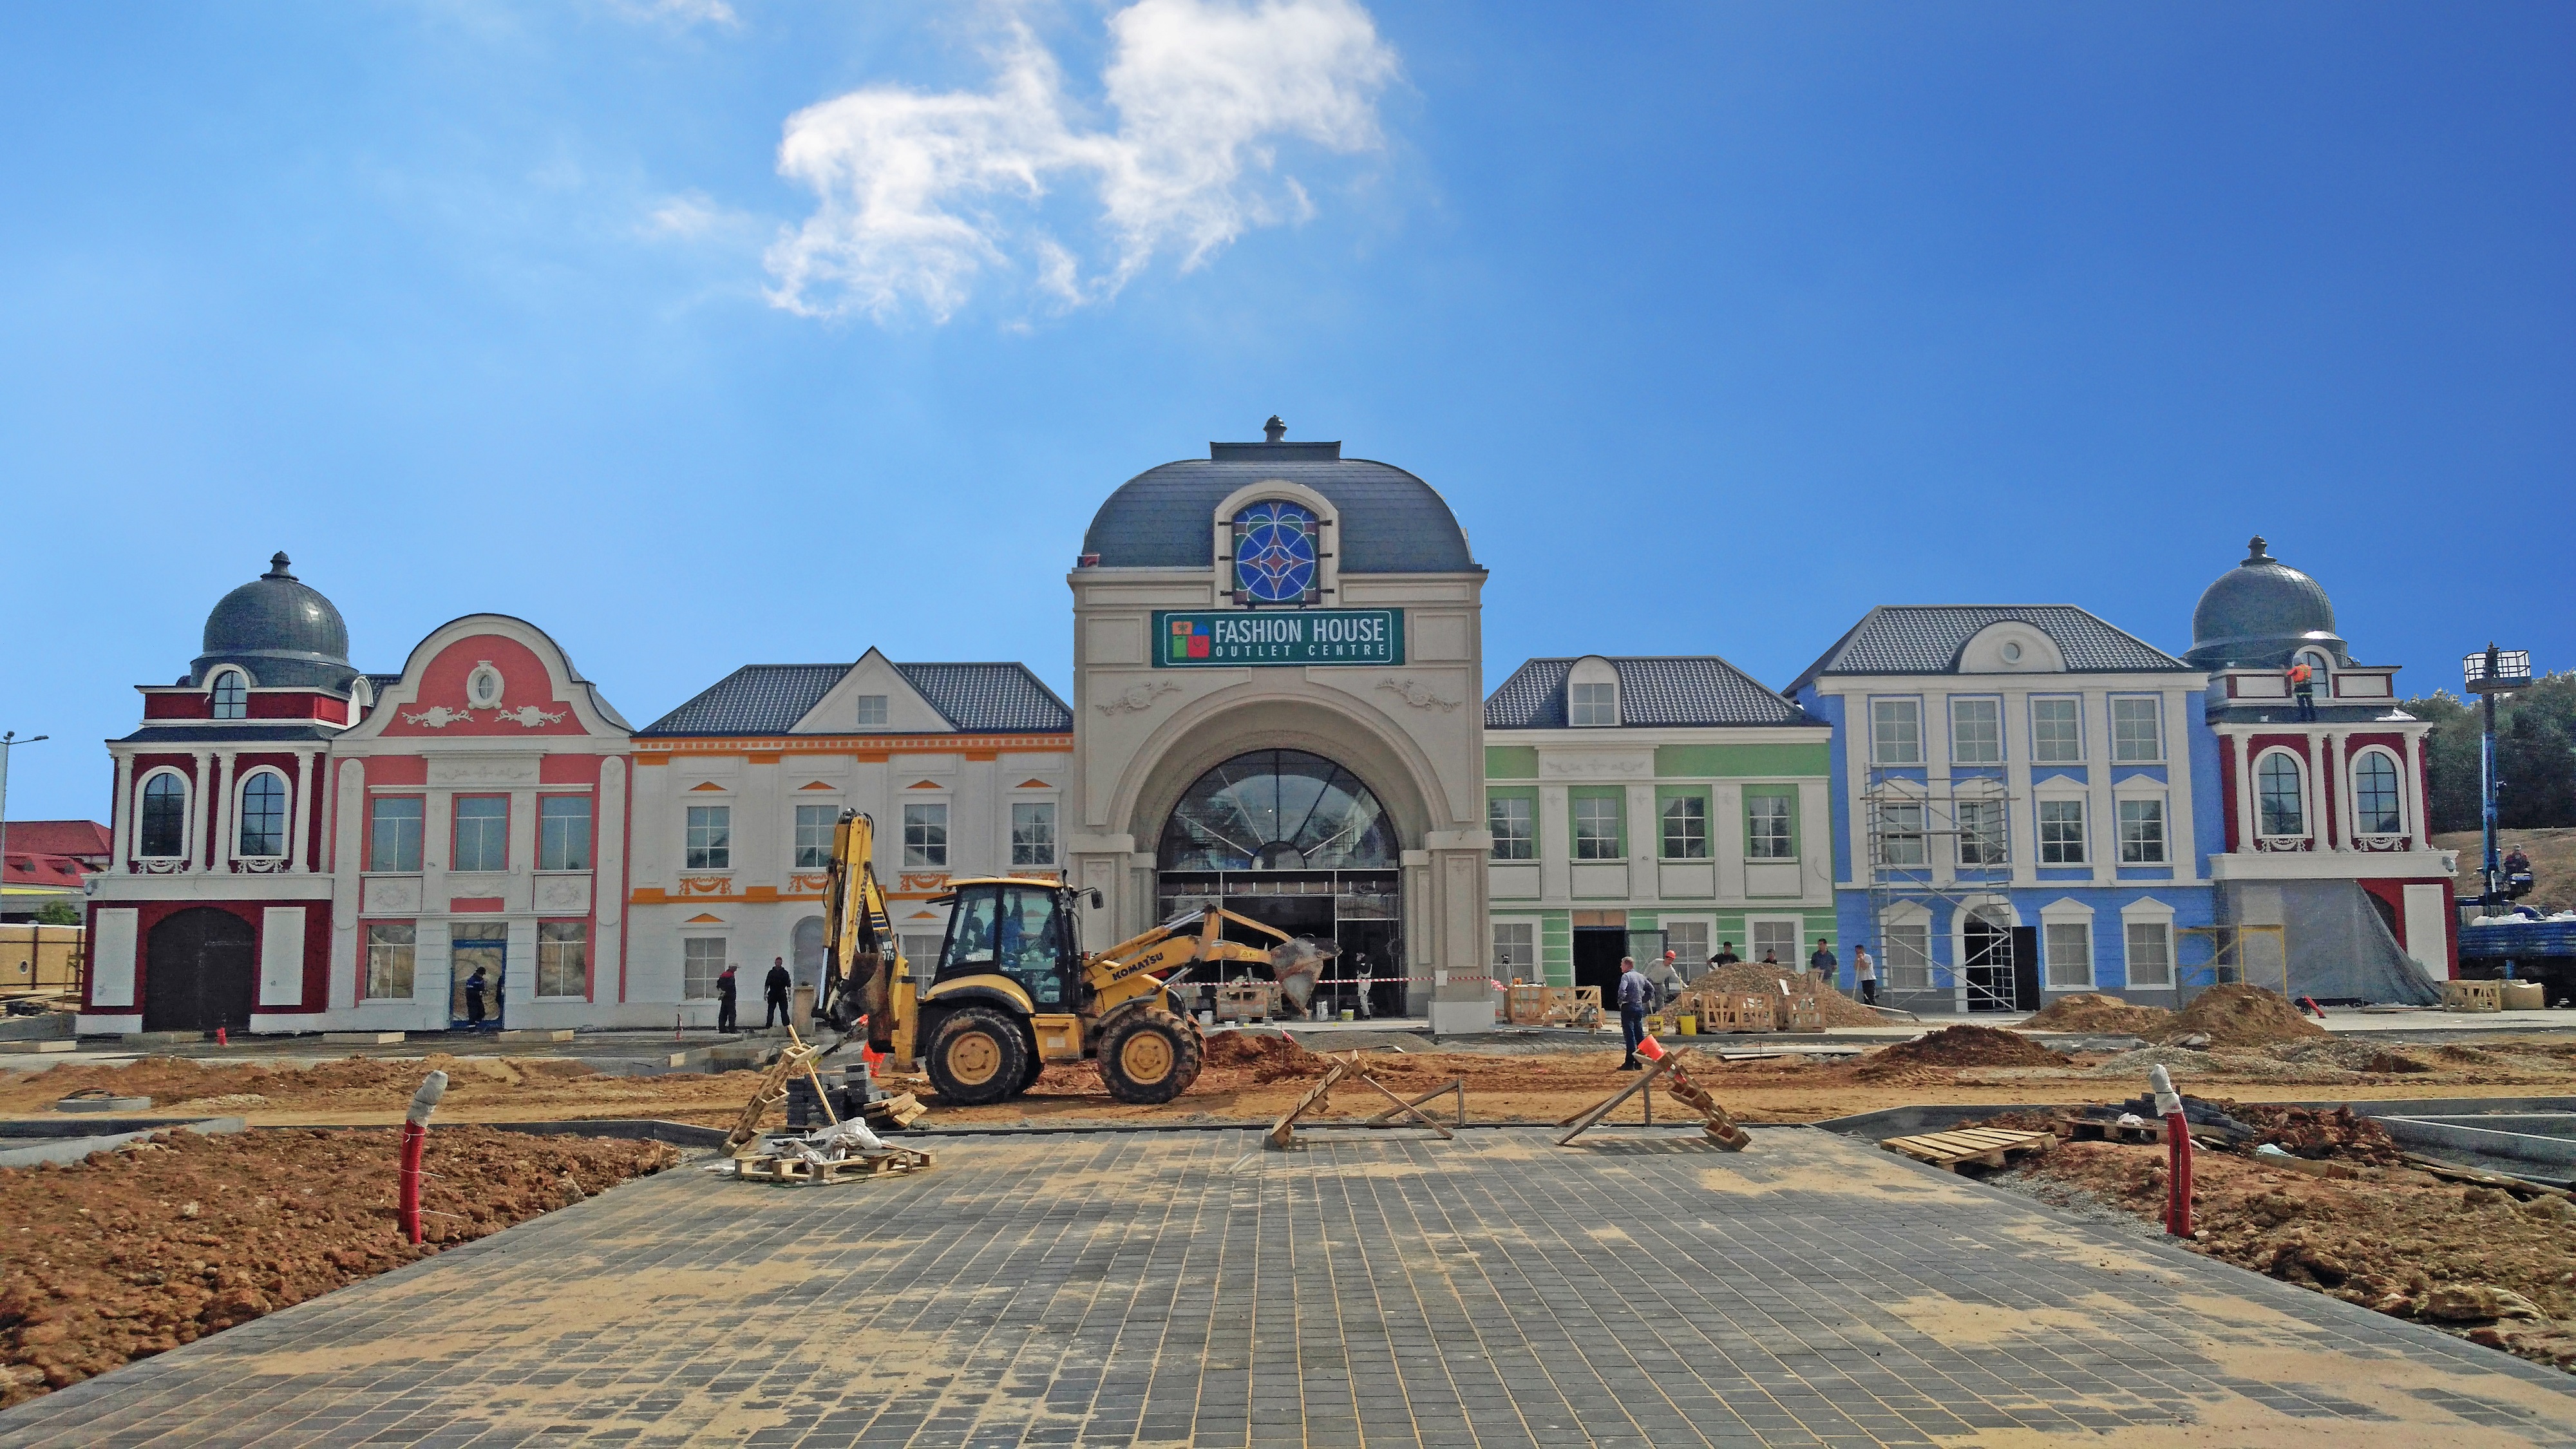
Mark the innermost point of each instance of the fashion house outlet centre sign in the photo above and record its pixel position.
(1303, 636)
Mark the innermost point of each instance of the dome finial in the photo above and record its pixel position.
(277, 566)
(2254, 553)
(1273, 430)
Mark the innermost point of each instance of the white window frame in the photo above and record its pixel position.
(715, 850)
(420, 842)
(1999, 837)
(1894, 972)
(1685, 958)
(581, 991)
(2062, 916)
(2352, 805)
(693, 955)
(1993, 710)
(1906, 714)
(216, 704)
(1526, 837)
(585, 849)
(285, 813)
(2074, 850)
(144, 784)
(2164, 833)
(1592, 704)
(920, 850)
(2155, 706)
(1795, 958)
(1040, 849)
(1902, 844)
(372, 964)
(2299, 769)
(2038, 754)
(1694, 847)
(2140, 914)
(796, 843)
(1605, 847)
(1513, 938)
(866, 705)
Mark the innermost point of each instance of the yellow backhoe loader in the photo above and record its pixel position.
(1013, 990)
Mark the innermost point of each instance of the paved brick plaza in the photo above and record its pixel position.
(1184, 1288)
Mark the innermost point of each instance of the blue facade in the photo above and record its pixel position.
(2061, 778)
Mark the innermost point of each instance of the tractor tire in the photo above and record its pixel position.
(1037, 1064)
(1150, 1057)
(979, 1056)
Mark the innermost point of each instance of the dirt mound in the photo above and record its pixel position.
(1837, 1009)
(2308, 1132)
(1964, 1046)
(1260, 1056)
(2089, 1011)
(133, 1252)
(2240, 1015)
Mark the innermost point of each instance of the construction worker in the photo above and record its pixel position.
(1668, 978)
(774, 993)
(1865, 973)
(475, 986)
(1636, 994)
(1366, 981)
(1825, 963)
(1725, 955)
(724, 998)
(2303, 688)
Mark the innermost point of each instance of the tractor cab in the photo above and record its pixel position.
(1021, 929)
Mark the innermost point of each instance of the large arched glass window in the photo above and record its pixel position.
(162, 826)
(263, 816)
(1279, 810)
(231, 695)
(2279, 802)
(2376, 809)
(1275, 553)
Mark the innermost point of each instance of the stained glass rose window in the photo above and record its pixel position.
(1274, 553)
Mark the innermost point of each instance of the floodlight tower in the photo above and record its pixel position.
(2493, 672)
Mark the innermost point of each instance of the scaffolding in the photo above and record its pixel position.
(1926, 852)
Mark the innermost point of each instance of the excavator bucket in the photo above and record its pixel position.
(1297, 965)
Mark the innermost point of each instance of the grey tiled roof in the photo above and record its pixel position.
(1926, 639)
(768, 699)
(1692, 689)
(1391, 521)
(285, 731)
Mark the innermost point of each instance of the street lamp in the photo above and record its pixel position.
(2490, 673)
(8, 742)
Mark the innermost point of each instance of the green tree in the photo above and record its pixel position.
(2539, 772)
(2451, 756)
(58, 913)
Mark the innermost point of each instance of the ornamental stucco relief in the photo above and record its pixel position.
(1136, 698)
(1419, 695)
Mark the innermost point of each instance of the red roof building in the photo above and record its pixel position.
(86, 841)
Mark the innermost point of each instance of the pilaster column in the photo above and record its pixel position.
(299, 845)
(201, 787)
(2317, 806)
(2416, 813)
(223, 811)
(121, 831)
(2244, 793)
(2342, 816)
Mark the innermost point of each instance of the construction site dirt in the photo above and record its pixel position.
(2351, 1219)
(136, 1250)
(1255, 1077)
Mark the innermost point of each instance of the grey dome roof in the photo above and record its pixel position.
(282, 632)
(2261, 612)
(1391, 521)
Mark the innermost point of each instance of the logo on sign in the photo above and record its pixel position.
(1189, 639)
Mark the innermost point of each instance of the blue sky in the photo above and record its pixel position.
(1717, 324)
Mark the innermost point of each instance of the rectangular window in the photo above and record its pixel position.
(1900, 834)
(1033, 833)
(389, 959)
(1770, 824)
(1516, 950)
(563, 832)
(482, 833)
(921, 951)
(814, 827)
(1908, 958)
(710, 842)
(1775, 942)
(1689, 943)
(1977, 731)
(2070, 953)
(2061, 832)
(393, 833)
(1981, 832)
(925, 836)
(2150, 953)
(1686, 827)
(872, 714)
(1593, 704)
(1508, 817)
(563, 958)
(1596, 827)
(702, 960)
(1896, 731)
(2137, 730)
(2142, 832)
(2057, 731)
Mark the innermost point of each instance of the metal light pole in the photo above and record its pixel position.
(9, 742)
(2493, 672)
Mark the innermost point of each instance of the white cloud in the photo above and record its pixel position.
(920, 194)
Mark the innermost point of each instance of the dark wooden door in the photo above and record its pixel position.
(2025, 954)
(201, 972)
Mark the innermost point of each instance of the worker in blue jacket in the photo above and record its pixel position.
(1636, 997)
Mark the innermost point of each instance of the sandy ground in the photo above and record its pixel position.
(2553, 863)
(1258, 1077)
(135, 1251)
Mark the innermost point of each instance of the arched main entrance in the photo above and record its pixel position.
(1295, 841)
(200, 972)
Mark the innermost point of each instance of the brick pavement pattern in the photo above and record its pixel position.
(1190, 1288)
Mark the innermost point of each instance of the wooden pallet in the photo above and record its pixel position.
(901, 1110)
(797, 1172)
(1970, 1146)
(2095, 1129)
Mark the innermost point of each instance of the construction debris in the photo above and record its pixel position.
(2091, 1012)
(1963, 1046)
(1970, 1146)
(1283, 1133)
(1664, 1064)
(2239, 1015)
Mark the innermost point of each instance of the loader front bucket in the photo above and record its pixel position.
(1298, 965)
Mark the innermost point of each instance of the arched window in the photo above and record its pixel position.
(1279, 810)
(2280, 803)
(263, 816)
(1275, 553)
(2377, 808)
(231, 694)
(162, 824)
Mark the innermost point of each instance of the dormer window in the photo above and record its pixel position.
(1276, 553)
(872, 711)
(1593, 704)
(231, 695)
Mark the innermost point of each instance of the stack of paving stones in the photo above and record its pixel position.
(1188, 1288)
